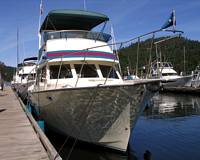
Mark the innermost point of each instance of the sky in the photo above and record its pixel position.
(129, 19)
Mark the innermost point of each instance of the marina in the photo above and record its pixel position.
(96, 83)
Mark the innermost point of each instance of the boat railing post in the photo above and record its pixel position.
(79, 75)
(138, 49)
(110, 71)
(59, 71)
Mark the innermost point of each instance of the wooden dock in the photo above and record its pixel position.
(18, 137)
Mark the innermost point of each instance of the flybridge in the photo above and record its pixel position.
(72, 20)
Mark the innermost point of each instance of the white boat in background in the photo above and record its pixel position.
(24, 76)
(195, 82)
(174, 105)
(168, 76)
(79, 91)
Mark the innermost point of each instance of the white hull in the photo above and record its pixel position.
(178, 82)
(195, 83)
(102, 115)
(22, 89)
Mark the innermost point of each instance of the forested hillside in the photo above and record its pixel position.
(7, 72)
(171, 51)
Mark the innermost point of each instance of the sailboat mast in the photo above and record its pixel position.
(184, 58)
(17, 46)
(84, 3)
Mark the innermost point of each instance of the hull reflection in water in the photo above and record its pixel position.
(173, 105)
(83, 150)
(169, 129)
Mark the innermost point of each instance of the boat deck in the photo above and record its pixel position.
(18, 139)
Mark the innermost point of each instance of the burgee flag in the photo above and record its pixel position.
(171, 21)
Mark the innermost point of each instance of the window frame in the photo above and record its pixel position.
(67, 75)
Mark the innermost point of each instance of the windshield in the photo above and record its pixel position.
(77, 34)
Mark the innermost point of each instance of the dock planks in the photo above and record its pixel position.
(18, 139)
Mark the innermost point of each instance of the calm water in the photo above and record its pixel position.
(170, 129)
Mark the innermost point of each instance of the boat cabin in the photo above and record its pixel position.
(72, 54)
(162, 69)
(26, 70)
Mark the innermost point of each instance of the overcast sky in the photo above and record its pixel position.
(128, 17)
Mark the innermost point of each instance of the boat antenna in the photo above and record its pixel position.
(84, 3)
(39, 23)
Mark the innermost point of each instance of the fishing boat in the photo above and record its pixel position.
(168, 76)
(79, 91)
(24, 76)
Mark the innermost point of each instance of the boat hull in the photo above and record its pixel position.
(22, 89)
(100, 115)
(179, 82)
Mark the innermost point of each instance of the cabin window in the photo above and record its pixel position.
(31, 76)
(108, 71)
(88, 70)
(28, 76)
(169, 74)
(24, 76)
(65, 71)
(77, 34)
(41, 75)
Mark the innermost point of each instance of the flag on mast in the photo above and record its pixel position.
(171, 21)
(40, 17)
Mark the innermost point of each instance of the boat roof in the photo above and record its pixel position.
(19, 65)
(30, 58)
(66, 19)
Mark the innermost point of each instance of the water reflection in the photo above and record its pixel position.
(173, 105)
(84, 151)
(170, 128)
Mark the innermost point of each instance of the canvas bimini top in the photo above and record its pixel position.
(72, 20)
(30, 58)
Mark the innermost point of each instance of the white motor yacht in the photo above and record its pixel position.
(79, 91)
(168, 76)
(24, 76)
